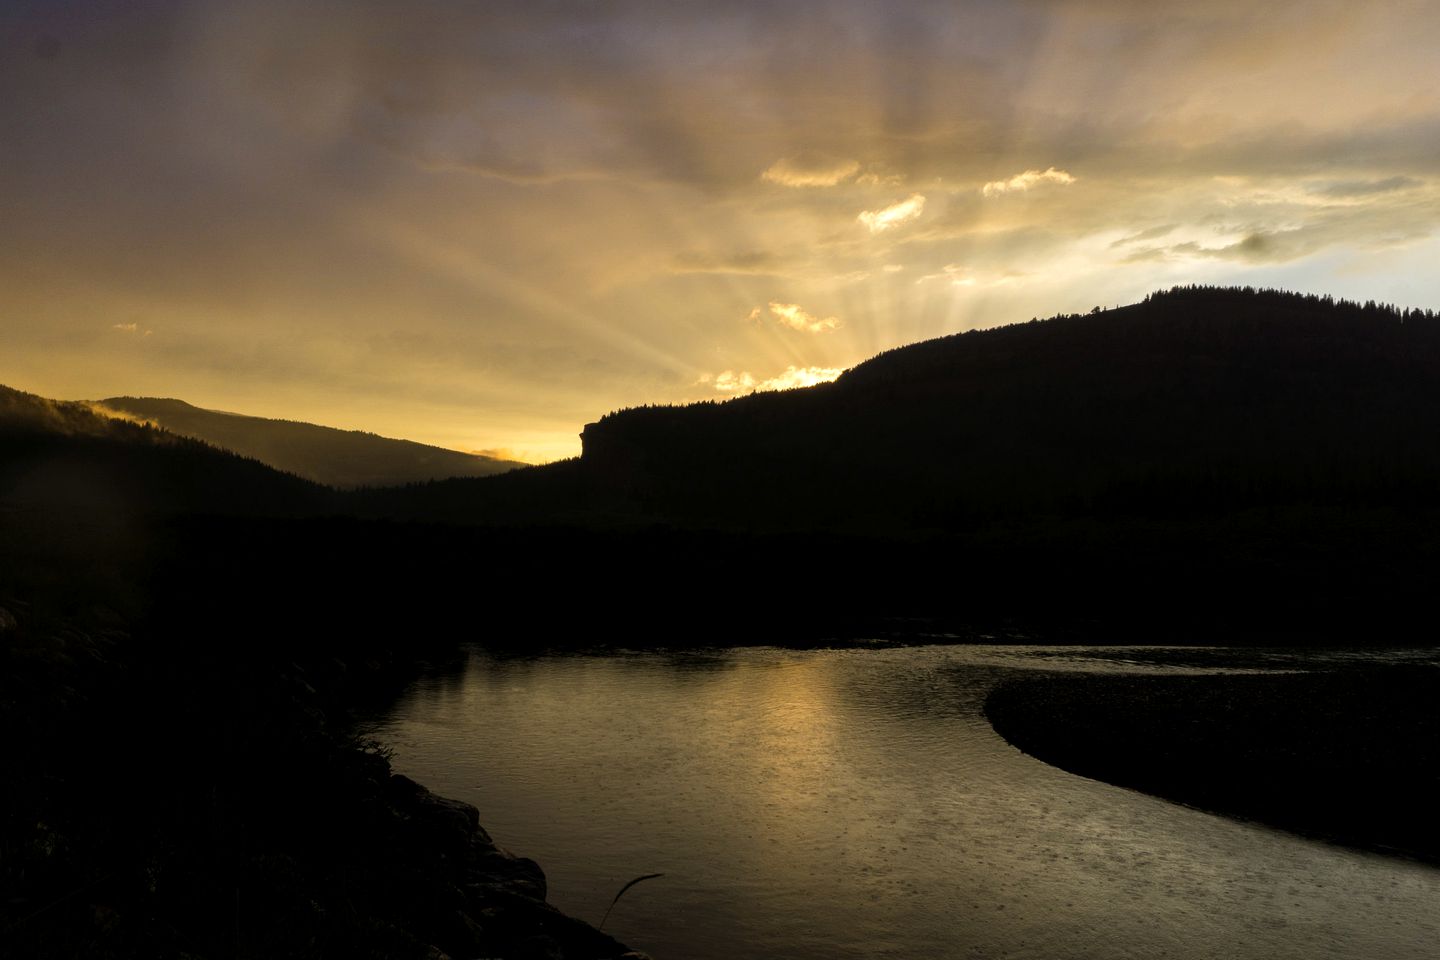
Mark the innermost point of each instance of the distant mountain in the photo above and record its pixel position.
(338, 458)
(64, 456)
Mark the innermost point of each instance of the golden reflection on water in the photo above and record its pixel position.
(855, 804)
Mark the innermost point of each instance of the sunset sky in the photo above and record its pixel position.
(484, 224)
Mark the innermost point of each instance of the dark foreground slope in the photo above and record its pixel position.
(187, 796)
(337, 458)
(1349, 756)
(184, 641)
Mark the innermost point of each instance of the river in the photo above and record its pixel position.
(855, 803)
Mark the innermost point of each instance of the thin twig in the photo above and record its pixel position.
(648, 876)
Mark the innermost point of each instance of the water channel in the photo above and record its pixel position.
(855, 803)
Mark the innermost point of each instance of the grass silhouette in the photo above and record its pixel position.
(647, 876)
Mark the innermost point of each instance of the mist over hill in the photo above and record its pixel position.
(63, 459)
(337, 458)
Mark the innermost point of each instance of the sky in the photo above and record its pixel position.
(485, 224)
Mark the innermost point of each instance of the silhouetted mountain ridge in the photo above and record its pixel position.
(66, 456)
(1195, 399)
(328, 455)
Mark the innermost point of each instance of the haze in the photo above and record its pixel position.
(482, 225)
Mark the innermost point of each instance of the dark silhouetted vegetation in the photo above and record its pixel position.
(1345, 756)
(1194, 402)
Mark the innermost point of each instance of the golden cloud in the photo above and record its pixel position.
(795, 317)
(887, 218)
(810, 172)
(1024, 181)
(730, 381)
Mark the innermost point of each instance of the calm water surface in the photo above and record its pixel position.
(855, 803)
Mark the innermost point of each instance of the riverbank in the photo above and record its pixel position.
(1349, 756)
(162, 806)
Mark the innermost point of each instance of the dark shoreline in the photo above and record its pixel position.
(220, 804)
(317, 829)
(1345, 756)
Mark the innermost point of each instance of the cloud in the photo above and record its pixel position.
(754, 262)
(131, 328)
(1265, 221)
(1347, 189)
(1154, 233)
(1257, 247)
(1291, 233)
(874, 178)
(1024, 181)
(887, 218)
(1260, 246)
(810, 171)
(730, 381)
(795, 317)
(1147, 255)
(959, 275)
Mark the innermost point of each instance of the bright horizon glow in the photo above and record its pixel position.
(484, 226)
